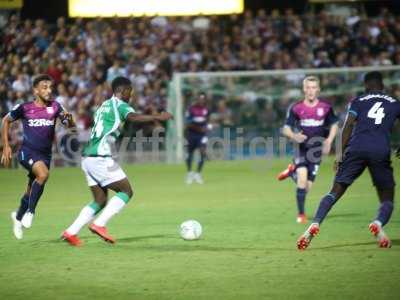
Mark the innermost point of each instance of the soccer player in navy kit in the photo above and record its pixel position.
(39, 119)
(307, 124)
(196, 134)
(365, 144)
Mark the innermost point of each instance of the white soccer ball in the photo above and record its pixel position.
(190, 230)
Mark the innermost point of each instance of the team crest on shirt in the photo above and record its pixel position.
(50, 110)
(320, 112)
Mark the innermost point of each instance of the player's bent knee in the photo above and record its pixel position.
(42, 177)
(129, 193)
(125, 196)
(127, 190)
(302, 177)
(302, 184)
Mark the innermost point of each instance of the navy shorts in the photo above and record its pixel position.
(28, 157)
(309, 159)
(354, 164)
(196, 141)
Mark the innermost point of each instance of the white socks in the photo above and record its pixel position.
(114, 206)
(86, 215)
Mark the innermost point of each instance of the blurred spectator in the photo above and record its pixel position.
(63, 97)
(21, 83)
(115, 70)
(83, 123)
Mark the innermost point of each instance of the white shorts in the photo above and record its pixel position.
(101, 171)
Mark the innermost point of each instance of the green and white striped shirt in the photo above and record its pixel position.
(107, 121)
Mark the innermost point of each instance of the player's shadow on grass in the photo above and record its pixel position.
(144, 237)
(395, 242)
(119, 240)
(343, 215)
(195, 246)
(186, 246)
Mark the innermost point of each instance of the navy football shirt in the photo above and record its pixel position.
(375, 114)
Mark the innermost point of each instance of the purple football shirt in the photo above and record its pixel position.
(312, 121)
(198, 115)
(38, 124)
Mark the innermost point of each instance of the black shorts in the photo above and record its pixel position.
(196, 141)
(309, 159)
(354, 164)
(28, 157)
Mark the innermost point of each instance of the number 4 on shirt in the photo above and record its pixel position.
(377, 113)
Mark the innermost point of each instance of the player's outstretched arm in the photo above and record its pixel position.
(329, 140)
(296, 137)
(7, 151)
(140, 118)
(346, 134)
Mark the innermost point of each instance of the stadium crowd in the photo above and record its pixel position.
(83, 56)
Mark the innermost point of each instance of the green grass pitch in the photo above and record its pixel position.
(247, 251)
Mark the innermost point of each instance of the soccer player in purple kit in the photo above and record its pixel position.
(306, 124)
(365, 142)
(196, 134)
(39, 120)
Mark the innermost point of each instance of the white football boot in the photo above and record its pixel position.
(17, 226)
(27, 220)
(190, 177)
(197, 177)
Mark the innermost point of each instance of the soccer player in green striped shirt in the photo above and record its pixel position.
(102, 172)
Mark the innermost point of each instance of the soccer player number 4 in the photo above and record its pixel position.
(377, 112)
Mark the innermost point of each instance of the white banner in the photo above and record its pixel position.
(127, 8)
